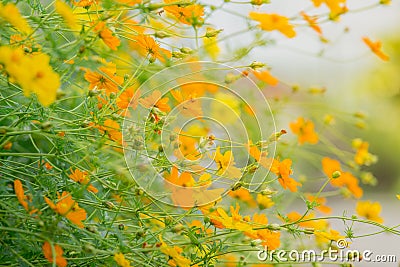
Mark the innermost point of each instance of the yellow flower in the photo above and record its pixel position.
(304, 129)
(226, 164)
(244, 195)
(32, 72)
(362, 156)
(10, 13)
(225, 108)
(264, 202)
(211, 45)
(222, 220)
(326, 237)
(274, 22)
(369, 210)
(176, 259)
(121, 261)
(66, 13)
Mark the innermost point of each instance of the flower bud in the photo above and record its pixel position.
(161, 34)
(336, 174)
(212, 32)
(186, 50)
(256, 65)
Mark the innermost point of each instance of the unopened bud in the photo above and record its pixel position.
(237, 186)
(186, 50)
(256, 65)
(309, 231)
(45, 126)
(161, 34)
(178, 54)
(212, 32)
(336, 174)
(274, 227)
(93, 92)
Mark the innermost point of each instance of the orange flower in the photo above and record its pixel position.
(312, 22)
(188, 14)
(48, 254)
(112, 129)
(304, 129)
(376, 48)
(107, 35)
(68, 208)
(146, 46)
(260, 157)
(189, 106)
(155, 100)
(331, 168)
(130, 2)
(272, 22)
(269, 238)
(82, 177)
(128, 98)
(186, 146)
(321, 204)
(22, 198)
(8, 146)
(266, 77)
(282, 170)
(337, 7)
(105, 79)
(185, 179)
(19, 191)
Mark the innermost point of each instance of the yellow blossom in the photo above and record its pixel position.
(11, 14)
(121, 261)
(66, 13)
(32, 72)
(226, 164)
(369, 210)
